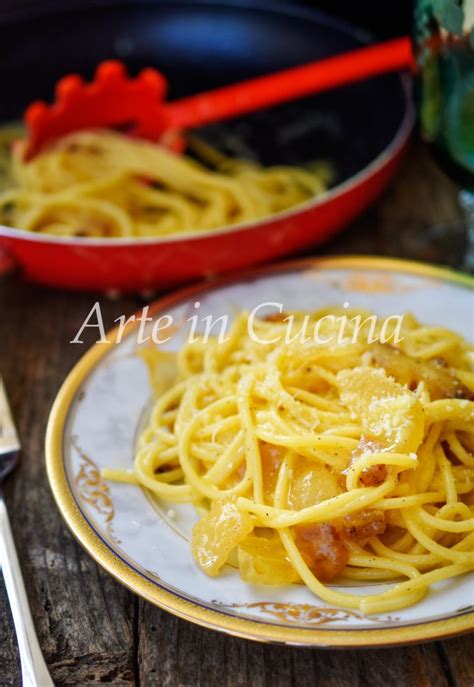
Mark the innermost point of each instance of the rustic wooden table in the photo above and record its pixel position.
(91, 629)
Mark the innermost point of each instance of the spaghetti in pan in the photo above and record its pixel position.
(106, 184)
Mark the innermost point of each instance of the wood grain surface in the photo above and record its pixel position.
(94, 631)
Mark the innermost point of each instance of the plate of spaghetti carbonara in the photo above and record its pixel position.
(286, 457)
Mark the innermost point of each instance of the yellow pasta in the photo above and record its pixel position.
(311, 461)
(103, 183)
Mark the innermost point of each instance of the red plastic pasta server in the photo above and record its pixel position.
(137, 105)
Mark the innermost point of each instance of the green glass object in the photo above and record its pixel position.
(444, 46)
(445, 57)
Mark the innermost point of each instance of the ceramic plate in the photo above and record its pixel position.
(145, 545)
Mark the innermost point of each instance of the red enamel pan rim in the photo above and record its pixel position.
(397, 144)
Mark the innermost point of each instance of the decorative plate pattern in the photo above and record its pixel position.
(144, 544)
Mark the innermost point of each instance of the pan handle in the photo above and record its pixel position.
(290, 84)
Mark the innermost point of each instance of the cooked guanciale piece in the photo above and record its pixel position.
(364, 524)
(218, 533)
(372, 475)
(440, 381)
(275, 317)
(389, 413)
(271, 457)
(323, 549)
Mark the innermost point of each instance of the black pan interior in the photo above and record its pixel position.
(201, 45)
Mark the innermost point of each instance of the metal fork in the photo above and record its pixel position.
(33, 667)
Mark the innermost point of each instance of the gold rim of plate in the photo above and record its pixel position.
(207, 617)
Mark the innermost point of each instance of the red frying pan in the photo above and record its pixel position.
(362, 129)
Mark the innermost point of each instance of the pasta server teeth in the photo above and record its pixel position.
(112, 99)
(137, 105)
